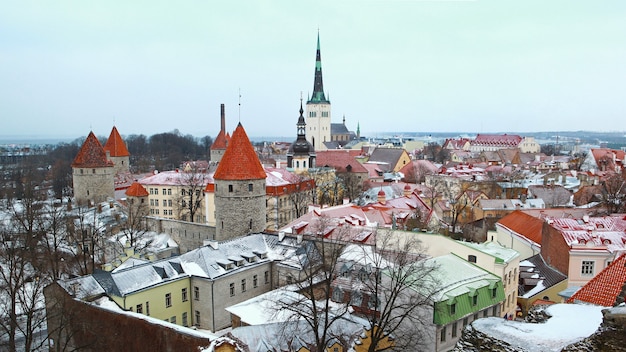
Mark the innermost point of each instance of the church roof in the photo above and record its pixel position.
(220, 142)
(338, 128)
(318, 86)
(91, 154)
(136, 190)
(240, 161)
(115, 144)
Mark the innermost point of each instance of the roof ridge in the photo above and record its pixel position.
(240, 161)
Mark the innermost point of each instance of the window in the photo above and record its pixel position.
(168, 300)
(139, 308)
(453, 309)
(587, 267)
(169, 203)
(475, 316)
(443, 334)
(164, 191)
(173, 320)
(197, 318)
(185, 319)
(267, 277)
(232, 289)
(454, 329)
(485, 313)
(250, 187)
(147, 308)
(243, 285)
(494, 311)
(464, 322)
(494, 292)
(471, 258)
(475, 299)
(156, 202)
(184, 294)
(196, 293)
(169, 191)
(230, 188)
(255, 281)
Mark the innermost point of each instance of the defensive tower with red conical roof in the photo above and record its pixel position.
(117, 152)
(92, 173)
(239, 189)
(218, 148)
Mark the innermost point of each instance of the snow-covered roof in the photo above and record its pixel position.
(569, 323)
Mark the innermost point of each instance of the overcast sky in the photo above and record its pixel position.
(68, 67)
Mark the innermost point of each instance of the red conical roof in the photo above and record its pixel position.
(240, 161)
(115, 144)
(91, 154)
(136, 190)
(221, 141)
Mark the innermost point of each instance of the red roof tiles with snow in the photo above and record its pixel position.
(240, 161)
(91, 154)
(115, 144)
(136, 190)
(604, 288)
(524, 225)
(497, 140)
(340, 159)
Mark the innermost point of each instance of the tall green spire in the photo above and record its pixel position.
(318, 87)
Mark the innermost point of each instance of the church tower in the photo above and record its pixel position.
(117, 152)
(301, 155)
(239, 190)
(92, 173)
(318, 108)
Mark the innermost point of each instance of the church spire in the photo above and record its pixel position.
(318, 86)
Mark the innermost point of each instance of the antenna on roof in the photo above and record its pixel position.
(240, 105)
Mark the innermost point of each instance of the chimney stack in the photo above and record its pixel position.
(223, 118)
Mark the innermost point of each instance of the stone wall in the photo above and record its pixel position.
(77, 325)
(239, 208)
(188, 235)
(93, 184)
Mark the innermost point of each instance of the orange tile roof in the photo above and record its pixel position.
(91, 154)
(115, 144)
(240, 161)
(524, 224)
(136, 190)
(604, 288)
(220, 142)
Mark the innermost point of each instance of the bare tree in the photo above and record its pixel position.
(402, 286)
(331, 192)
(303, 195)
(192, 182)
(352, 185)
(613, 196)
(318, 261)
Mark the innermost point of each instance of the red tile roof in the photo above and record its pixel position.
(91, 154)
(339, 160)
(523, 224)
(500, 140)
(240, 161)
(115, 144)
(604, 288)
(136, 190)
(220, 142)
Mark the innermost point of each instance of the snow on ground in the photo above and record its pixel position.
(569, 323)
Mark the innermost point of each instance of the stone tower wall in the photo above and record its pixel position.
(93, 184)
(216, 155)
(121, 164)
(240, 211)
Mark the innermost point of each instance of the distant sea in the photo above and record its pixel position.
(33, 140)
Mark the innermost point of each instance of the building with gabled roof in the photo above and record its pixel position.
(239, 189)
(193, 289)
(605, 287)
(394, 158)
(92, 173)
(520, 231)
(117, 152)
(465, 293)
(581, 247)
(538, 281)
